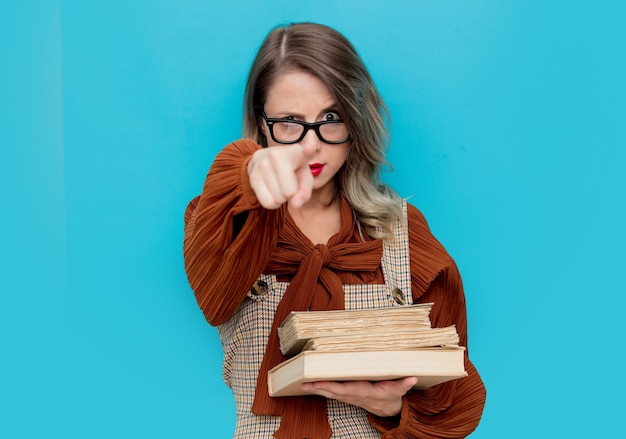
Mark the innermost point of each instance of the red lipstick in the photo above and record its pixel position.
(316, 168)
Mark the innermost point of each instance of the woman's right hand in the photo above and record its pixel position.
(280, 174)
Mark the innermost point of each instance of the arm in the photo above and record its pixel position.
(228, 235)
(452, 409)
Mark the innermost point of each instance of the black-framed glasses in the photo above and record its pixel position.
(292, 131)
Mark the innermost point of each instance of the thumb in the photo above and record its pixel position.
(408, 383)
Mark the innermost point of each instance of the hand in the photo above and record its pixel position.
(382, 398)
(280, 174)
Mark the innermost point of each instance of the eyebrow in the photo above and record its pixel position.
(332, 107)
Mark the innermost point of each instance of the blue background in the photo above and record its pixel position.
(508, 133)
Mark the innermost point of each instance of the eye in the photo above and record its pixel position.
(331, 115)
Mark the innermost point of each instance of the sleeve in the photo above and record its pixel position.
(228, 236)
(452, 409)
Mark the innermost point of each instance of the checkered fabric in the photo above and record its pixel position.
(245, 335)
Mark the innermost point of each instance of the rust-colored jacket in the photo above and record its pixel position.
(227, 231)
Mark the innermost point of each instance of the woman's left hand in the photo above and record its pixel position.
(382, 398)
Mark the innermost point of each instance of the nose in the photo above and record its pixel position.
(311, 138)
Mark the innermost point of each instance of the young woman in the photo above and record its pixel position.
(295, 217)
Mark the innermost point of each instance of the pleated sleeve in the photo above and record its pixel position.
(229, 237)
(452, 409)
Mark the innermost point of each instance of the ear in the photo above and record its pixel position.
(263, 127)
(263, 133)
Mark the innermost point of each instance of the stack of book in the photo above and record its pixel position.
(371, 344)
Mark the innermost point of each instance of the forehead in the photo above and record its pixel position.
(298, 91)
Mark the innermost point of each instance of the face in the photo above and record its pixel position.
(302, 96)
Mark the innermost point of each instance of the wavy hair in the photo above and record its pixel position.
(325, 53)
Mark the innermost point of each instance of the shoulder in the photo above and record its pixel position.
(416, 218)
(235, 152)
(420, 233)
(428, 256)
(418, 226)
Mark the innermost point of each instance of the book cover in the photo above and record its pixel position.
(430, 365)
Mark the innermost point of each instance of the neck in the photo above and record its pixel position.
(320, 200)
(319, 219)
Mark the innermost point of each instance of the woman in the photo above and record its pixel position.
(295, 217)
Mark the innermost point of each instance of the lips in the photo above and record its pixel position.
(316, 169)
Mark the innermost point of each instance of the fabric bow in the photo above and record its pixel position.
(315, 286)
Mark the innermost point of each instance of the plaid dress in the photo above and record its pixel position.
(244, 337)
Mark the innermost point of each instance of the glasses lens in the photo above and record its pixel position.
(287, 132)
(334, 132)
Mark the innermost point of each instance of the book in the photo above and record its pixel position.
(431, 366)
(300, 327)
(371, 344)
(390, 340)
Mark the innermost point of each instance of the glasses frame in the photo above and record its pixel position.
(315, 126)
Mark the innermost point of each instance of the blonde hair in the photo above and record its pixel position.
(328, 55)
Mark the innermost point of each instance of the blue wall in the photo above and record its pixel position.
(508, 133)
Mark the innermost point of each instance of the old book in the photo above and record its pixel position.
(390, 340)
(299, 327)
(430, 365)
